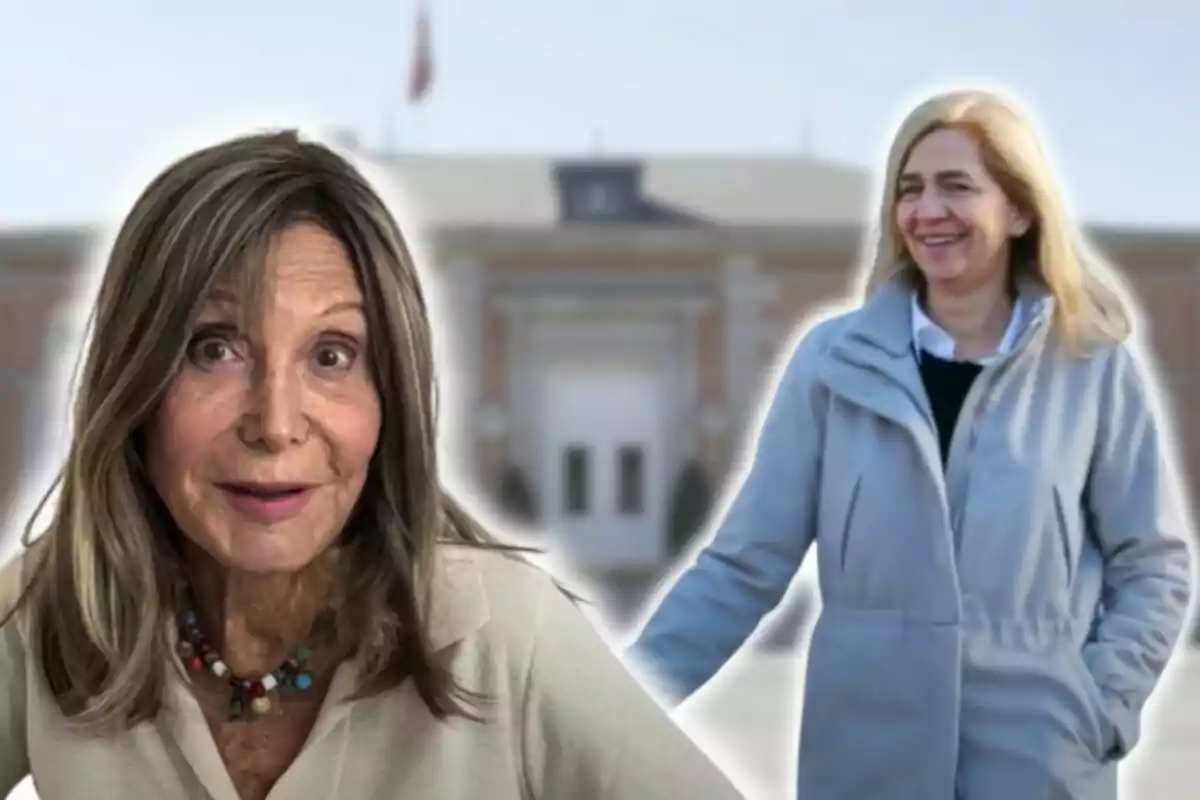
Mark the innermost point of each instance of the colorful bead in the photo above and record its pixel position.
(248, 697)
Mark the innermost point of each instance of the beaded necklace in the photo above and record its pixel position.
(250, 698)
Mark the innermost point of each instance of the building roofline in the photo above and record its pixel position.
(64, 245)
(835, 239)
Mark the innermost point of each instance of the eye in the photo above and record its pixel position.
(908, 190)
(335, 356)
(211, 349)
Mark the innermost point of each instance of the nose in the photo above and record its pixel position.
(274, 418)
(929, 205)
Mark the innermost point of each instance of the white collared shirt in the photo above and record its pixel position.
(933, 339)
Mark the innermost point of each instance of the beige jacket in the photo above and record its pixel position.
(572, 723)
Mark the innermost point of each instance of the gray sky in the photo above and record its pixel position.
(95, 96)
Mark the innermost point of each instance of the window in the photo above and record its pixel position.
(631, 480)
(575, 479)
(598, 199)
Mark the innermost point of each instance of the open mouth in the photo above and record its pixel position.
(941, 240)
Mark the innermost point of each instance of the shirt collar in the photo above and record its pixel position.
(459, 599)
(932, 338)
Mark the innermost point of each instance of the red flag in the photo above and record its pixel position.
(420, 76)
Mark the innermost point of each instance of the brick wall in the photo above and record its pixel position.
(1168, 293)
(30, 295)
(1166, 284)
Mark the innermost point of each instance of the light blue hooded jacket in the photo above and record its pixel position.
(989, 631)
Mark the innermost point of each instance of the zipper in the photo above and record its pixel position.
(957, 488)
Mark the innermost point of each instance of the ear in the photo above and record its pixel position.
(1019, 223)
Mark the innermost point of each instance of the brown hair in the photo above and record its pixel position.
(105, 573)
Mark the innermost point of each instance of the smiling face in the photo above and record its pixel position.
(954, 218)
(262, 444)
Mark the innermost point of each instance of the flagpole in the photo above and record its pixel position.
(421, 73)
(387, 129)
(806, 137)
(416, 135)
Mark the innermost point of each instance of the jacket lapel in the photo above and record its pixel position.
(871, 364)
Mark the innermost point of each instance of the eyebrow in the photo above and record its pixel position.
(345, 305)
(224, 297)
(946, 174)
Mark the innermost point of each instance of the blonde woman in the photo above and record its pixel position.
(254, 584)
(978, 455)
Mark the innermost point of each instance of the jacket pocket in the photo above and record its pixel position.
(1102, 733)
(847, 520)
(1065, 540)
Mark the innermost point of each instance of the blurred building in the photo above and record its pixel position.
(612, 322)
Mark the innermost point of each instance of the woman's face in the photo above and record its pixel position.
(955, 220)
(261, 446)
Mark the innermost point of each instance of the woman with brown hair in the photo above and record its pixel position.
(253, 583)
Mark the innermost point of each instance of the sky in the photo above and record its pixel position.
(95, 97)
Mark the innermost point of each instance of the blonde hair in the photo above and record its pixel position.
(106, 573)
(1087, 307)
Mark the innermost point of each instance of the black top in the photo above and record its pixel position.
(947, 384)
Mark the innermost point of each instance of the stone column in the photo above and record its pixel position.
(742, 306)
(459, 324)
(689, 399)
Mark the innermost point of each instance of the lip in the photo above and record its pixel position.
(954, 237)
(253, 499)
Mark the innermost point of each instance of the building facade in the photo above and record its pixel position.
(608, 328)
